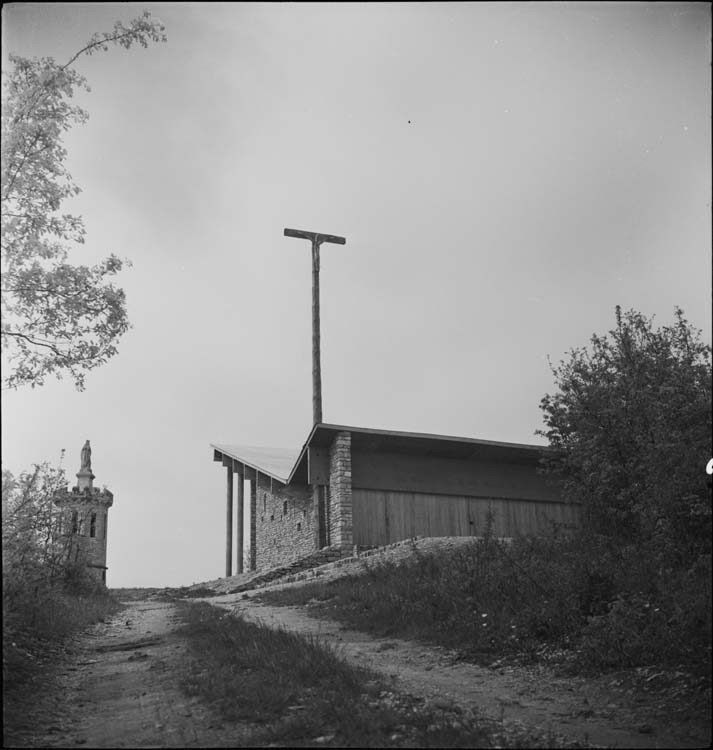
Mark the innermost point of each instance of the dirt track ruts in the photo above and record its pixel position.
(579, 708)
(122, 690)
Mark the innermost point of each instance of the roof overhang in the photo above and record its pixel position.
(365, 439)
(275, 463)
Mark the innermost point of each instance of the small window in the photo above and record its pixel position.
(93, 525)
(299, 526)
(272, 517)
(75, 522)
(284, 508)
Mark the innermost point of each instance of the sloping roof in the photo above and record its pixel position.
(275, 462)
(422, 443)
(288, 465)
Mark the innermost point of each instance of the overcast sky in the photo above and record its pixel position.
(505, 174)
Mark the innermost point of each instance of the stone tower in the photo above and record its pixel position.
(85, 512)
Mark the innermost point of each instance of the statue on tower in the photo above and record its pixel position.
(86, 458)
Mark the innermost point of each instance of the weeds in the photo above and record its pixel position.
(600, 608)
(286, 688)
(29, 632)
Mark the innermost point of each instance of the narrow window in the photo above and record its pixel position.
(299, 526)
(264, 501)
(93, 525)
(75, 522)
(284, 508)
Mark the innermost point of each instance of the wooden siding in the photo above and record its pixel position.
(382, 517)
(446, 476)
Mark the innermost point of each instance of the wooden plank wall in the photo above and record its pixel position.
(382, 517)
(447, 476)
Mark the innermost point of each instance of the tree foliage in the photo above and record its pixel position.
(33, 550)
(57, 318)
(630, 429)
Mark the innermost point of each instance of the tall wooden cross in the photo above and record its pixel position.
(317, 240)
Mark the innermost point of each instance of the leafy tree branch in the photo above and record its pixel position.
(57, 318)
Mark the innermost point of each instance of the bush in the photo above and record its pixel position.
(46, 596)
(667, 622)
(630, 433)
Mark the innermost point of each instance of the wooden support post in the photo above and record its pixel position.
(241, 519)
(229, 523)
(316, 239)
(316, 348)
(253, 522)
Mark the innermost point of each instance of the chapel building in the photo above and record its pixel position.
(353, 487)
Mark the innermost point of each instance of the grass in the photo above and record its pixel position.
(44, 618)
(534, 599)
(285, 688)
(477, 599)
(36, 629)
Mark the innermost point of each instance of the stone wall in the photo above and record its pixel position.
(285, 523)
(340, 491)
(84, 526)
(286, 518)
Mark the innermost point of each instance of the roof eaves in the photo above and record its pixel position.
(252, 465)
(430, 436)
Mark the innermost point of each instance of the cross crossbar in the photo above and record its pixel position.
(315, 236)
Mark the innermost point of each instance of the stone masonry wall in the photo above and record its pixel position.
(340, 491)
(85, 540)
(285, 522)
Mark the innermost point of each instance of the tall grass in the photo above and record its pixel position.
(291, 690)
(603, 608)
(41, 618)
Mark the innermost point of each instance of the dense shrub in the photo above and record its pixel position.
(46, 594)
(629, 429)
(630, 434)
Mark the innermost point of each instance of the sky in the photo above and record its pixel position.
(505, 174)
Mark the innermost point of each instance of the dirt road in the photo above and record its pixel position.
(590, 710)
(120, 690)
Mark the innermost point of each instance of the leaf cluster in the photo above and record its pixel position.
(56, 317)
(33, 550)
(630, 432)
